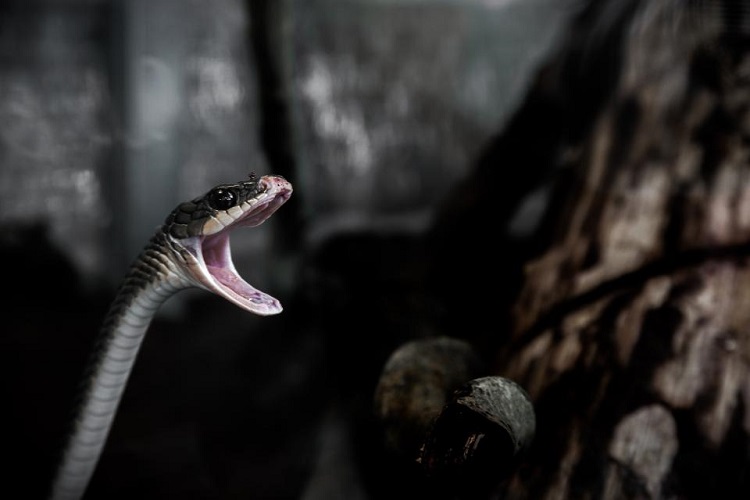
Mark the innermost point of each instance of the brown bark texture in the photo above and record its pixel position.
(630, 328)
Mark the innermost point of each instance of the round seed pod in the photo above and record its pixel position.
(416, 382)
(479, 436)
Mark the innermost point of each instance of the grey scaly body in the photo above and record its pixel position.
(191, 249)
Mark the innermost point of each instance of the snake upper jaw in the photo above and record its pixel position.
(211, 266)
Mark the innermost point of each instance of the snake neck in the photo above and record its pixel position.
(151, 280)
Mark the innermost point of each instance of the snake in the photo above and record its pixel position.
(190, 249)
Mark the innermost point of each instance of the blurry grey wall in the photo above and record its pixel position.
(395, 98)
(112, 112)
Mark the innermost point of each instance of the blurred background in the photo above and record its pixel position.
(113, 112)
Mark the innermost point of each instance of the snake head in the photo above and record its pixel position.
(200, 229)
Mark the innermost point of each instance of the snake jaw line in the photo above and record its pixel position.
(224, 280)
(212, 267)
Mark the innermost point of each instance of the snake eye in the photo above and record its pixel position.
(221, 199)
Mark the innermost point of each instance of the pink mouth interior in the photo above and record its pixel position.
(217, 254)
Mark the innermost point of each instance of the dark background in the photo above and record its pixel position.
(113, 112)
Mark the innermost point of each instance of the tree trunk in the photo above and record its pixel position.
(631, 327)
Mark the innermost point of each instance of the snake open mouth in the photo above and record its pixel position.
(190, 249)
(216, 271)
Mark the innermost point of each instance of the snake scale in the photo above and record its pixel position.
(191, 249)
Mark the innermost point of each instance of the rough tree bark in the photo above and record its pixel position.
(631, 329)
(629, 303)
(624, 311)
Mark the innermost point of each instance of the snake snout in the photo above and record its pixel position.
(276, 184)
